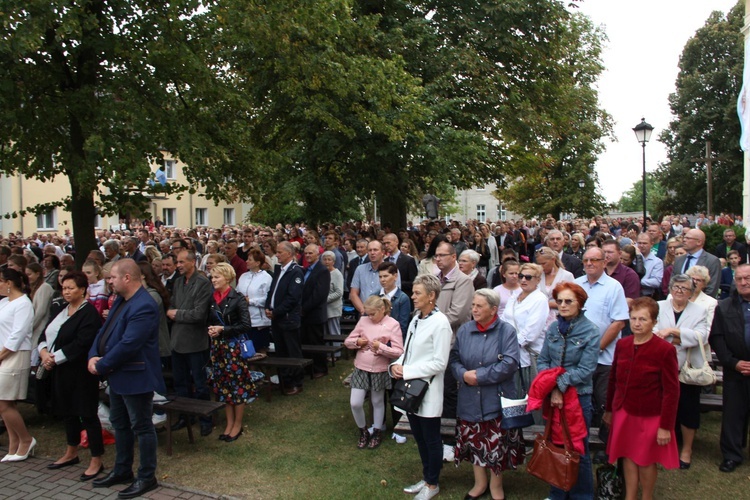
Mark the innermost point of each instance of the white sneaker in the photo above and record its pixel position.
(427, 493)
(158, 419)
(398, 438)
(274, 379)
(415, 488)
(449, 454)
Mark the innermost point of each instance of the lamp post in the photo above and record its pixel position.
(643, 134)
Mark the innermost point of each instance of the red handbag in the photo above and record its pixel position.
(555, 466)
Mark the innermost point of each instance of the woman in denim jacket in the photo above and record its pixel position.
(572, 342)
(484, 359)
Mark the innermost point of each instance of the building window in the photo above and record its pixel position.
(481, 188)
(481, 213)
(201, 214)
(169, 216)
(501, 215)
(97, 221)
(170, 170)
(229, 216)
(47, 221)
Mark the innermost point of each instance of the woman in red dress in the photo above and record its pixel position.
(642, 402)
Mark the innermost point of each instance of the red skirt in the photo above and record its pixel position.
(487, 445)
(635, 438)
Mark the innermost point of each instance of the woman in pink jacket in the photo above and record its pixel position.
(377, 337)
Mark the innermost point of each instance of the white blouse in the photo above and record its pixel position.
(254, 287)
(528, 318)
(16, 323)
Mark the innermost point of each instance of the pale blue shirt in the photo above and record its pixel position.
(367, 280)
(654, 273)
(606, 303)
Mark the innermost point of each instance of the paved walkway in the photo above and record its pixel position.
(31, 479)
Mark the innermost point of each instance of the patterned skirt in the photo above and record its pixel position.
(487, 445)
(231, 379)
(370, 381)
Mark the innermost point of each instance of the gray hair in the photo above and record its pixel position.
(113, 244)
(491, 296)
(472, 254)
(430, 282)
(700, 272)
(328, 255)
(682, 278)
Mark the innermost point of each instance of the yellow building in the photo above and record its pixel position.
(18, 192)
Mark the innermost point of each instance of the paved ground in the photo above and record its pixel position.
(31, 479)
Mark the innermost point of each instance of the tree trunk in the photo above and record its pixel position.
(83, 213)
(392, 207)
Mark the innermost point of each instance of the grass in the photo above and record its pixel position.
(304, 447)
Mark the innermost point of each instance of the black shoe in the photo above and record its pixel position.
(72, 461)
(469, 497)
(684, 465)
(223, 437)
(728, 465)
(229, 439)
(206, 430)
(180, 424)
(112, 479)
(86, 477)
(138, 488)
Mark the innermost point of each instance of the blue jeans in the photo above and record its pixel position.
(131, 417)
(427, 435)
(190, 379)
(584, 487)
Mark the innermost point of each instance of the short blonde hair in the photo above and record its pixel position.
(225, 270)
(534, 267)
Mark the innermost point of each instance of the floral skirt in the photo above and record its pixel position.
(487, 445)
(231, 379)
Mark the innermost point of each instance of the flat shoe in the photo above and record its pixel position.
(72, 461)
(223, 437)
(469, 497)
(88, 477)
(112, 479)
(684, 465)
(229, 439)
(138, 488)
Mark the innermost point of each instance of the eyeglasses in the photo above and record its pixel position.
(678, 288)
(586, 261)
(527, 277)
(541, 251)
(442, 255)
(565, 301)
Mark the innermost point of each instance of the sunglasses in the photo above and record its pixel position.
(565, 301)
(527, 277)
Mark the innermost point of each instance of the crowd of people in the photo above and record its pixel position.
(478, 309)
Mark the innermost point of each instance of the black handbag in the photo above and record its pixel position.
(407, 395)
(609, 483)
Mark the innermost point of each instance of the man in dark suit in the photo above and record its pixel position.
(362, 257)
(730, 243)
(407, 266)
(693, 242)
(126, 352)
(131, 247)
(730, 338)
(315, 307)
(556, 242)
(283, 307)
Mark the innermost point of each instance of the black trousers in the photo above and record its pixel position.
(736, 401)
(75, 424)
(288, 345)
(312, 334)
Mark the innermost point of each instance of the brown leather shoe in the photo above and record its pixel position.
(293, 391)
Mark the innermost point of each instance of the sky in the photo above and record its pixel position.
(646, 38)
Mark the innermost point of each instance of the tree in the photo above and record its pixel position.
(632, 199)
(396, 98)
(94, 89)
(704, 105)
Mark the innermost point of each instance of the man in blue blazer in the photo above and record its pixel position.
(126, 353)
(283, 307)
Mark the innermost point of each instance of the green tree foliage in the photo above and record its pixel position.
(93, 90)
(394, 99)
(704, 105)
(632, 199)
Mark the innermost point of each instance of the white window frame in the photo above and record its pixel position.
(501, 213)
(201, 217)
(169, 216)
(170, 169)
(481, 212)
(47, 221)
(229, 216)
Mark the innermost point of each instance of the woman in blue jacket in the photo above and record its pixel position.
(484, 360)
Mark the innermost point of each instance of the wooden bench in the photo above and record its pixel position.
(337, 338)
(328, 350)
(711, 402)
(277, 362)
(448, 429)
(189, 407)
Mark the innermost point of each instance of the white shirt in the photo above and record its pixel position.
(528, 318)
(16, 320)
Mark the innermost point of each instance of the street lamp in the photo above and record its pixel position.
(643, 134)
(581, 183)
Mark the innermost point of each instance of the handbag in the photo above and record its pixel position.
(609, 483)
(247, 348)
(514, 411)
(407, 395)
(555, 466)
(702, 376)
(41, 372)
